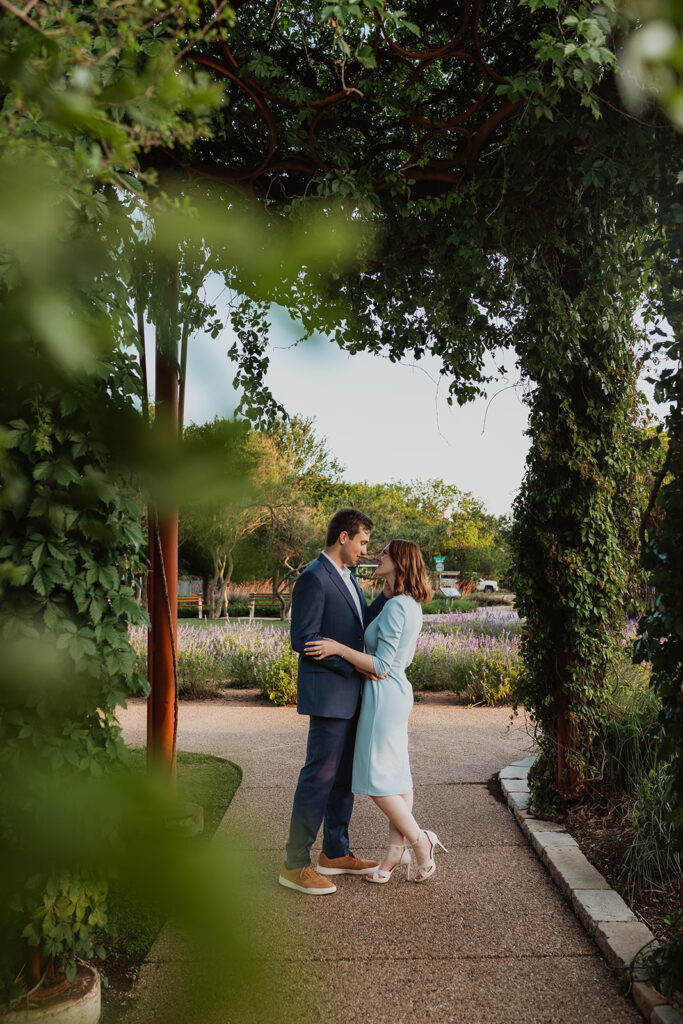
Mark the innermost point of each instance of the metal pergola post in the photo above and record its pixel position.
(162, 703)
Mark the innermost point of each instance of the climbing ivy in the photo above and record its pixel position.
(71, 543)
(573, 517)
(661, 630)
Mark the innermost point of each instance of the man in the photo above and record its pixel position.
(327, 602)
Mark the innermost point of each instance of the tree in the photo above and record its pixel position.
(213, 524)
(286, 466)
(305, 454)
(439, 517)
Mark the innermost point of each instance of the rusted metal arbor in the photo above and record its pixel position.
(280, 134)
(423, 118)
(162, 704)
(162, 645)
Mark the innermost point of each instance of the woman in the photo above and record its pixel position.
(381, 768)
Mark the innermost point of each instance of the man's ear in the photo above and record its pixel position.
(343, 537)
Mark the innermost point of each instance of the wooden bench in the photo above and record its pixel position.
(191, 599)
(261, 599)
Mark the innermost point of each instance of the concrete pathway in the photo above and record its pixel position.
(489, 939)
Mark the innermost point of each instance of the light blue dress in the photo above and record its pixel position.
(380, 762)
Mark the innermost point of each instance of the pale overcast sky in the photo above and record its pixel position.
(384, 421)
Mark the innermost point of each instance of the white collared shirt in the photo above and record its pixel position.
(345, 574)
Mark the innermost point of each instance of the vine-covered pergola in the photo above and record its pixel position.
(429, 135)
(518, 206)
(515, 206)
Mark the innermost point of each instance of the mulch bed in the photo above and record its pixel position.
(121, 973)
(600, 824)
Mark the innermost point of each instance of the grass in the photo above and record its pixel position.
(227, 623)
(204, 780)
(442, 604)
(439, 604)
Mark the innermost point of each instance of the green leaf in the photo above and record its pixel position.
(365, 55)
(37, 555)
(39, 584)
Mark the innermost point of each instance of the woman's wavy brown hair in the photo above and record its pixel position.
(411, 574)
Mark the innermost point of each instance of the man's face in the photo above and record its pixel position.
(351, 548)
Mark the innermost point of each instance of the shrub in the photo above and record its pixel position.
(481, 666)
(69, 525)
(483, 600)
(485, 621)
(239, 608)
(475, 654)
(188, 611)
(634, 766)
(631, 734)
(277, 678)
(651, 860)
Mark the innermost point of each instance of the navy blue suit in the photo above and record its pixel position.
(329, 691)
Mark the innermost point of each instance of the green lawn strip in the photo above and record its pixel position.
(458, 604)
(202, 779)
(227, 623)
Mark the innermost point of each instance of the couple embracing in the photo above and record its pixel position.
(352, 684)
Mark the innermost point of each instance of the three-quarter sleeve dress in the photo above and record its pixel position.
(380, 765)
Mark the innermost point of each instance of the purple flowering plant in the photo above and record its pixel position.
(240, 655)
(475, 654)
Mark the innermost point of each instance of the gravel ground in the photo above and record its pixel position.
(488, 939)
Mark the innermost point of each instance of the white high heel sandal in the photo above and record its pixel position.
(426, 870)
(380, 875)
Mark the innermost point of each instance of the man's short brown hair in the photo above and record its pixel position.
(346, 520)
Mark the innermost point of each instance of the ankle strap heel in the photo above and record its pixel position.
(428, 868)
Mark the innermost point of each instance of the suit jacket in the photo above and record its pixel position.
(323, 607)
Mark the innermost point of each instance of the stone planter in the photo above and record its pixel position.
(81, 1003)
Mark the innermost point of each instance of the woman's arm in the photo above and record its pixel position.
(308, 601)
(319, 649)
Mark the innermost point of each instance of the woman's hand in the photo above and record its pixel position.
(322, 648)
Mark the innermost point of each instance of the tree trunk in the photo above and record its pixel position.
(215, 587)
(218, 587)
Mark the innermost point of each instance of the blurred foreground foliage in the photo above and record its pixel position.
(84, 88)
(90, 239)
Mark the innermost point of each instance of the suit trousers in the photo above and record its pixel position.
(323, 793)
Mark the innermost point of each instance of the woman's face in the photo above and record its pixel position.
(385, 566)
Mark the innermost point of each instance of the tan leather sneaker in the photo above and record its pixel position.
(306, 880)
(348, 865)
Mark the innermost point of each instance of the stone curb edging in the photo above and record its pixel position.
(608, 920)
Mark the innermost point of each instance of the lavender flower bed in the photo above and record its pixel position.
(483, 622)
(475, 654)
(240, 655)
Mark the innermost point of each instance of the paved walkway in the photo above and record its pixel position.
(489, 939)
